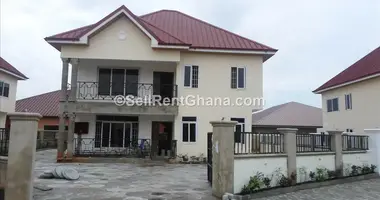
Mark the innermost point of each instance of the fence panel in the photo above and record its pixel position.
(313, 143)
(354, 142)
(258, 143)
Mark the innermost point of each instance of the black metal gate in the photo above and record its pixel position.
(209, 157)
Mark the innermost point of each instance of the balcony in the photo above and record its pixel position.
(99, 97)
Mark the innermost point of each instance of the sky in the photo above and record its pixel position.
(316, 39)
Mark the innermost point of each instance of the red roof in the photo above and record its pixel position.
(175, 28)
(365, 67)
(46, 104)
(10, 69)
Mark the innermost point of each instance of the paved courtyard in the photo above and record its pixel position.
(165, 182)
(123, 181)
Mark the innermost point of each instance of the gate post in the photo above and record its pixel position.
(223, 157)
(22, 150)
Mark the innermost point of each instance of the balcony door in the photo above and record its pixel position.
(163, 84)
(118, 81)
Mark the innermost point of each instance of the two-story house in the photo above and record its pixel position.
(9, 76)
(165, 53)
(350, 100)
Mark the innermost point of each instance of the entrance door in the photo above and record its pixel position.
(163, 84)
(162, 135)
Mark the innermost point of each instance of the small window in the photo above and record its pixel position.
(237, 77)
(189, 129)
(4, 89)
(332, 105)
(349, 130)
(348, 100)
(239, 129)
(191, 76)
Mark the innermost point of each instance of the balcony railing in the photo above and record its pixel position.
(108, 91)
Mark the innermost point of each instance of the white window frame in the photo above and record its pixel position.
(191, 76)
(348, 104)
(332, 104)
(237, 77)
(196, 131)
(2, 91)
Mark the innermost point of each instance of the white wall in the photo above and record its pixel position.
(7, 104)
(358, 159)
(307, 163)
(245, 167)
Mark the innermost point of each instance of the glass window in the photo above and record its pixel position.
(348, 101)
(237, 77)
(104, 87)
(189, 129)
(187, 76)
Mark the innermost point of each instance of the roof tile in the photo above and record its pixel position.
(175, 28)
(46, 104)
(8, 67)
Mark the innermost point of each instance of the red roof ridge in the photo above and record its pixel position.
(163, 31)
(204, 22)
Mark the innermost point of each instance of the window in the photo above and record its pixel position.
(332, 105)
(4, 89)
(189, 129)
(237, 77)
(118, 82)
(348, 100)
(239, 129)
(191, 76)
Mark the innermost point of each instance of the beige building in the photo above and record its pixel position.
(9, 76)
(165, 53)
(350, 100)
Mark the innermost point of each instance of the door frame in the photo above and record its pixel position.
(155, 138)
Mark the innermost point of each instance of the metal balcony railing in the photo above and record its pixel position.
(109, 90)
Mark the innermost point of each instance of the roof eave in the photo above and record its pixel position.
(321, 90)
(18, 76)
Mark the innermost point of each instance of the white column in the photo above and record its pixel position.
(374, 146)
(63, 109)
(74, 78)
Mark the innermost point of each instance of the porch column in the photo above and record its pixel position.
(21, 155)
(336, 146)
(74, 78)
(290, 143)
(222, 157)
(63, 109)
(70, 137)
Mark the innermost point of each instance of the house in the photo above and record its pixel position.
(167, 54)
(350, 100)
(307, 119)
(9, 76)
(46, 104)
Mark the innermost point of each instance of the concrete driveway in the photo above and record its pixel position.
(123, 181)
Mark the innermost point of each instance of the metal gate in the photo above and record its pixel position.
(209, 157)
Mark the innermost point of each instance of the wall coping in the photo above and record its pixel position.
(223, 123)
(354, 152)
(260, 156)
(20, 116)
(373, 130)
(316, 153)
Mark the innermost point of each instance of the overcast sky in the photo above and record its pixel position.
(316, 38)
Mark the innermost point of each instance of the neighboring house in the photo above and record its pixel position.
(350, 100)
(9, 76)
(307, 119)
(46, 104)
(165, 53)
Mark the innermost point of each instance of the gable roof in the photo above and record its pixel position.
(46, 104)
(367, 67)
(292, 114)
(170, 27)
(9, 69)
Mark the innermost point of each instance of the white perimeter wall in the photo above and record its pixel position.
(307, 163)
(245, 167)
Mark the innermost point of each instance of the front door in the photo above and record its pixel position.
(163, 84)
(162, 135)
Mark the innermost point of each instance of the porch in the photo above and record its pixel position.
(124, 136)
